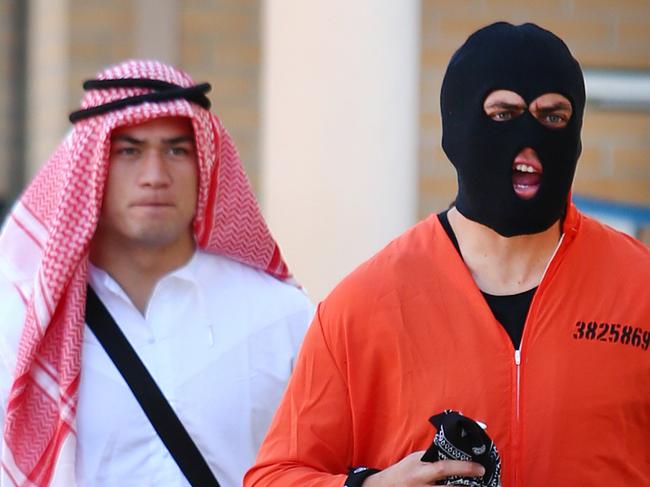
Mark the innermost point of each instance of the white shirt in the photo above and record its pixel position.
(220, 339)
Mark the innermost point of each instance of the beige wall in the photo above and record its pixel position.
(217, 41)
(101, 33)
(340, 114)
(47, 67)
(601, 34)
(220, 43)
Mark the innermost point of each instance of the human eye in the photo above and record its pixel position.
(552, 110)
(126, 151)
(502, 116)
(505, 114)
(503, 105)
(555, 120)
(180, 151)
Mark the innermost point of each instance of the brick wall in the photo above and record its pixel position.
(220, 43)
(101, 33)
(601, 34)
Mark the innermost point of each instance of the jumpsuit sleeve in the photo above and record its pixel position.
(309, 442)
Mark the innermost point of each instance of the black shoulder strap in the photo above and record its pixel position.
(151, 399)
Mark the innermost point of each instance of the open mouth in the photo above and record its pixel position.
(526, 174)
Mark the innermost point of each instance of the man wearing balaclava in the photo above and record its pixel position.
(139, 249)
(502, 342)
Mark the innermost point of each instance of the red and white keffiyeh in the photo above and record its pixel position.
(44, 251)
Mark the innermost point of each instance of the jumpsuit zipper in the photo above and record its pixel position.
(517, 412)
(516, 431)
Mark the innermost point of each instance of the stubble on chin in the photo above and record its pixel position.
(156, 233)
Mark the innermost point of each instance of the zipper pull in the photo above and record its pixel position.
(517, 357)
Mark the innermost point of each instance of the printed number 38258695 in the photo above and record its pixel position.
(613, 333)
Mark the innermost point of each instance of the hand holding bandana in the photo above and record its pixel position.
(462, 438)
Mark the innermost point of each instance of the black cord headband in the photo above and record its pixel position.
(162, 91)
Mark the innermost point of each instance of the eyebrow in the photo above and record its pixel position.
(560, 105)
(506, 105)
(171, 141)
(179, 140)
(127, 138)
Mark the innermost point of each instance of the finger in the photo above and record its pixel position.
(446, 468)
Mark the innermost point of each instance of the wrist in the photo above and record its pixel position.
(358, 475)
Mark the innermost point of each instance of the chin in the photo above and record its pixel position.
(158, 235)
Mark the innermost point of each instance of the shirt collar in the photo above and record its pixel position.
(100, 279)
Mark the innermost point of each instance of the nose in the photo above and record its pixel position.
(153, 170)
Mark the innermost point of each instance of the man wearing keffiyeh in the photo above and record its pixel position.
(145, 201)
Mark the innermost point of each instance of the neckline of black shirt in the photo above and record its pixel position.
(511, 310)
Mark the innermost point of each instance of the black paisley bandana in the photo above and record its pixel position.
(461, 438)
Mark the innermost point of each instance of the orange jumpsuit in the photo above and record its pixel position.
(408, 334)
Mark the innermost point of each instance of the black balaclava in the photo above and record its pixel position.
(531, 62)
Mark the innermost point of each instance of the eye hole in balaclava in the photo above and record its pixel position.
(551, 110)
(534, 64)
